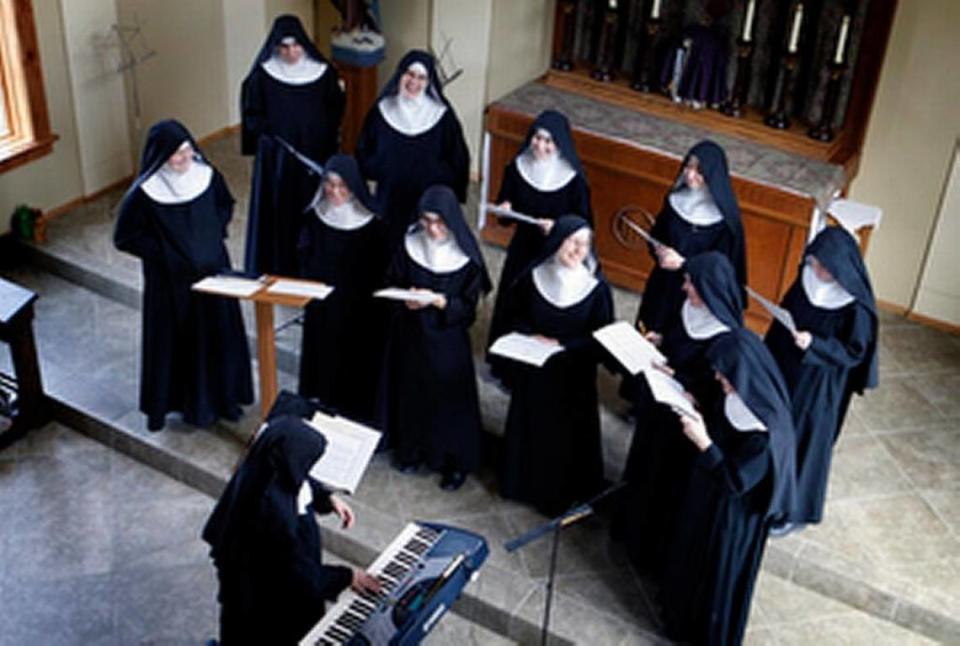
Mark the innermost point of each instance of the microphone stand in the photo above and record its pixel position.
(553, 526)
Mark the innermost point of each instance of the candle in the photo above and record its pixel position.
(795, 29)
(655, 11)
(612, 5)
(748, 21)
(842, 40)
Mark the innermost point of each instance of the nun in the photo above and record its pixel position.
(430, 406)
(265, 542)
(741, 481)
(660, 458)
(552, 452)
(832, 355)
(544, 180)
(411, 140)
(700, 213)
(342, 244)
(174, 218)
(291, 105)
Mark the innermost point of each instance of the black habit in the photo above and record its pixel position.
(277, 115)
(195, 358)
(429, 403)
(405, 165)
(736, 489)
(552, 448)
(840, 360)
(528, 239)
(660, 457)
(662, 294)
(343, 334)
(267, 550)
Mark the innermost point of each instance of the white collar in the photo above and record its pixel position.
(561, 285)
(411, 116)
(439, 257)
(696, 206)
(304, 497)
(830, 296)
(699, 322)
(740, 417)
(549, 174)
(306, 70)
(348, 216)
(167, 186)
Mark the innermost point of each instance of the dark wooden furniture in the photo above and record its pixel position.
(361, 88)
(16, 330)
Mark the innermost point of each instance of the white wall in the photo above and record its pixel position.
(406, 26)
(520, 44)
(99, 101)
(245, 28)
(54, 179)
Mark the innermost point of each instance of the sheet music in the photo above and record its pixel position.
(349, 448)
(669, 391)
(308, 288)
(228, 286)
(524, 348)
(629, 347)
(507, 213)
(641, 232)
(398, 294)
(778, 312)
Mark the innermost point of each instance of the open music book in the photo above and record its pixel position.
(779, 313)
(524, 348)
(628, 346)
(228, 286)
(669, 391)
(398, 294)
(349, 448)
(308, 288)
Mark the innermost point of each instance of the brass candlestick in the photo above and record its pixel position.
(777, 114)
(741, 85)
(603, 70)
(643, 68)
(823, 131)
(566, 26)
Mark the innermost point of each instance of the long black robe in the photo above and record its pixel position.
(714, 552)
(552, 450)
(404, 166)
(273, 583)
(527, 241)
(195, 358)
(818, 382)
(343, 334)
(429, 403)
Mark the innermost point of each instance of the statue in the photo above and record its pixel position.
(359, 40)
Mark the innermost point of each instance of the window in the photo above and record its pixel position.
(24, 123)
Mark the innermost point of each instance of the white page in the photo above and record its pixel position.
(778, 312)
(398, 294)
(508, 213)
(629, 347)
(524, 348)
(229, 286)
(349, 448)
(307, 288)
(669, 391)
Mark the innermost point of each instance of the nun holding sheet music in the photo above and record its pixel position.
(290, 98)
(342, 244)
(544, 180)
(411, 140)
(832, 355)
(552, 453)
(660, 458)
(174, 219)
(429, 403)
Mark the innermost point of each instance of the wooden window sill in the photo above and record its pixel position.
(14, 155)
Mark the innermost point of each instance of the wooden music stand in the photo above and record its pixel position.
(263, 302)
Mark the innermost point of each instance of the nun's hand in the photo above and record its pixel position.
(365, 582)
(654, 337)
(343, 511)
(803, 339)
(669, 259)
(664, 368)
(547, 225)
(696, 432)
(549, 340)
(440, 302)
(416, 305)
(505, 222)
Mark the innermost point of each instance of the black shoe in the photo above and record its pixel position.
(155, 422)
(406, 467)
(778, 530)
(452, 480)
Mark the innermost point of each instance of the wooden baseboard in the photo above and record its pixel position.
(217, 135)
(40, 227)
(936, 324)
(893, 308)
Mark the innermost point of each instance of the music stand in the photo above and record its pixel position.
(554, 525)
